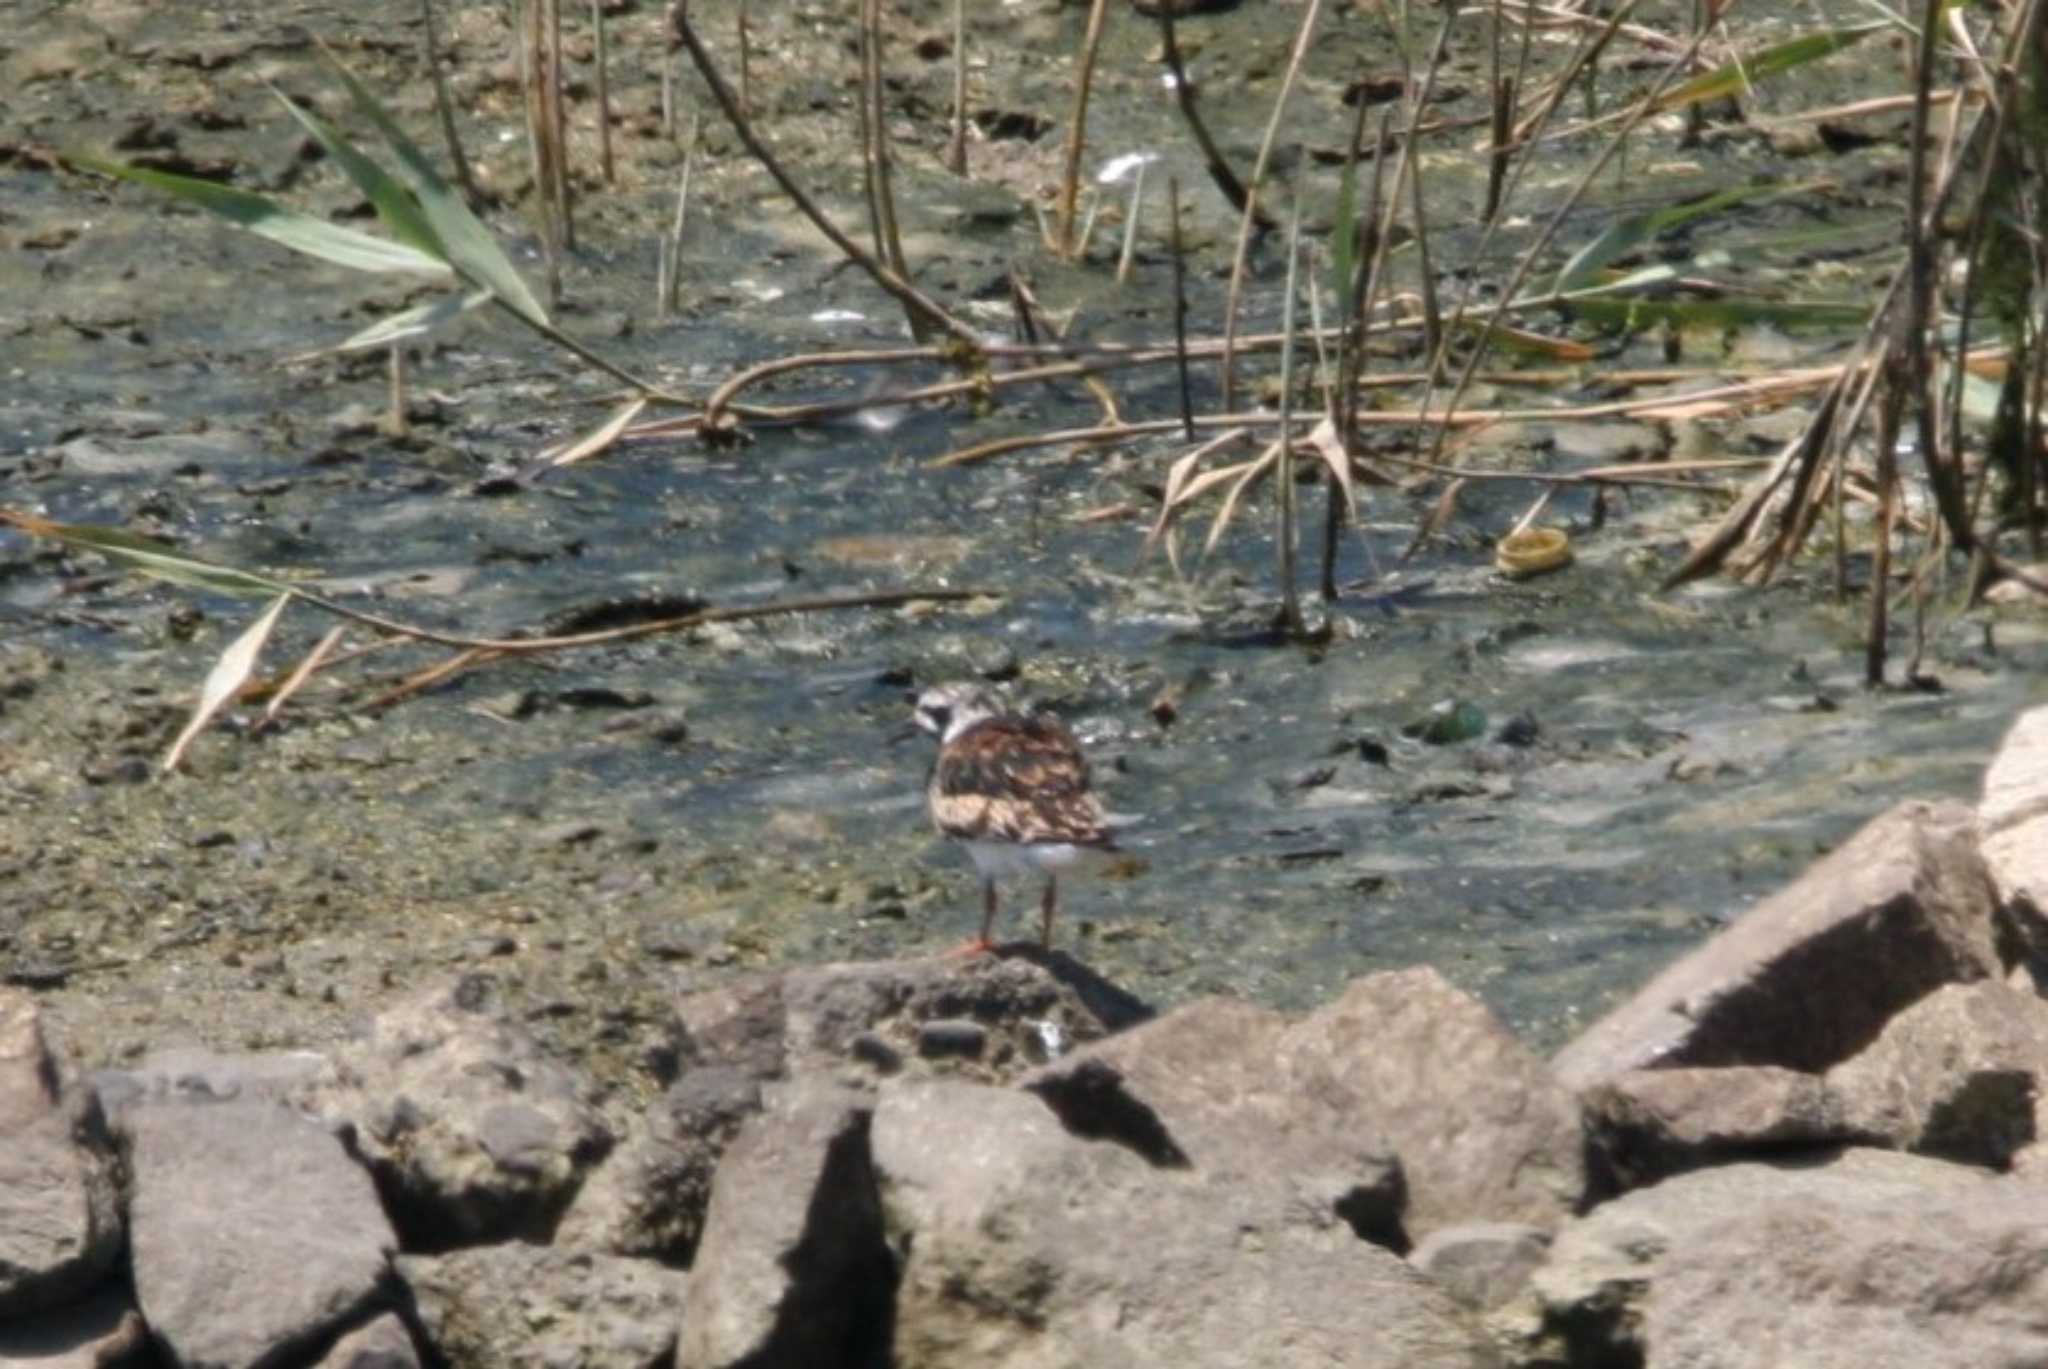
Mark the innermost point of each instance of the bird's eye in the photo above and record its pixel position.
(939, 714)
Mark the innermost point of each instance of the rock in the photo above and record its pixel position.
(852, 1023)
(792, 1268)
(1483, 1130)
(809, 1020)
(101, 1331)
(2014, 812)
(1962, 1074)
(1335, 1100)
(472, 1133)
(520, 1306)
(1210, 1087)
(649, 1198)
(1874, 1260)
(60, 1219)
(383, 1344)
(1023, 1245)
(1809, 976)
(253, 1236)
(1481, 1264)
(949, 1036)
(1647, 1125)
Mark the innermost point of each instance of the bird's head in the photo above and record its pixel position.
(947, 710)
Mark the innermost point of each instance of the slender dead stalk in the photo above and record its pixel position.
(1283, 471)
(1309, 17)
(1077, 134)
(670, 270)
(956, 145)
(874, 124)
(888, 279)
(1180, 306)
(554, 90)
(604, 95)
(540, 141)
(444, 107)
(1212, 156)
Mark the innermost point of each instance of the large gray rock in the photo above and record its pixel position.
(1647, 1125)
(473, 1133)
(60, 1220)
(1809, 976)
(519, 1306)
(985, 1017)
(792, 1268)
(1024, 1245)
(253, 1236)
(1402, 1068)
(1869, 1260)
(1962, 1074)
(2014, 810)
(1212, 1087)
(1483, 1129)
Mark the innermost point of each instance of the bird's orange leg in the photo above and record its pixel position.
(982, 945)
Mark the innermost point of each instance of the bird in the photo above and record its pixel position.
(1013, 789)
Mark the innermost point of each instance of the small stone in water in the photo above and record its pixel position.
(950, 1036)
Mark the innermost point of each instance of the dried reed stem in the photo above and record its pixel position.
(1309, 16)
(604, 95)
(444, 106)
(956, 146)
(1077, 134)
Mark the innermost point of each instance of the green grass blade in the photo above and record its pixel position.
(410, 323)
(393, 202)
(1626, 235)
(1344, 235)
(158, 560)
(1737, 77)
(267, 218)
(469, 243)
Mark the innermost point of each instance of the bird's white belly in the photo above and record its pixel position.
(995, 859)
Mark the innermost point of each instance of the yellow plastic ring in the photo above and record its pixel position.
(1535, 552)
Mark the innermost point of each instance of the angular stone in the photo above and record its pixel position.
(1212, 1087)
(792, 1268)
(253, 1236)
(60, 1219)
(1869, 1258)
(1481, 1264)
(1649, 1124)
(1962, 1074)
(1809, 976)
(473, 1133)
(1483, 1130)
(2014, 809)
(1024, 1245)
(383, 1344)
(520, 1306)
(649, 1198)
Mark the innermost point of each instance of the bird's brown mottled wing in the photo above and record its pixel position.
(1016, 779)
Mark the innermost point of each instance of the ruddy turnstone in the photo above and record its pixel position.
(1012, 789)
